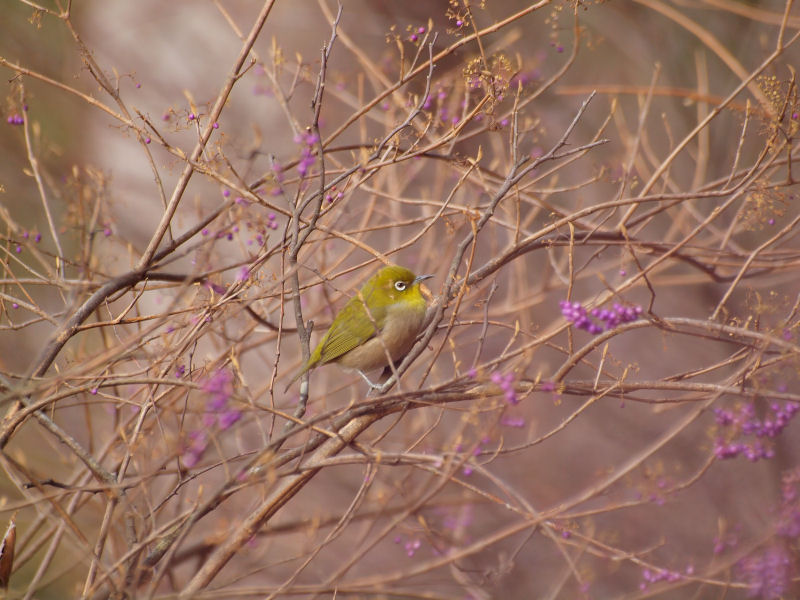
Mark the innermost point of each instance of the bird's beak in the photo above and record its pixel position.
(421, 278)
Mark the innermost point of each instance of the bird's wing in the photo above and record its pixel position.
(352, 328)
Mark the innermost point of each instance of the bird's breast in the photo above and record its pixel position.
(400, 329)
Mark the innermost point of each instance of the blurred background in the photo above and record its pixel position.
(535, 457)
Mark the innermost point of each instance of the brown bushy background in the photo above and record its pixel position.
(184, 183)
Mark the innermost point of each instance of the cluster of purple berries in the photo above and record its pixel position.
(746, 423)
(753, 451)
(655, 576)
(26, 235)
(576, 314)
(415, 35)
(440, 95)
(768, 572)
(410, 546)
(334, 195)
(788, 522)
(218, 413)
(506, 383)
(309, 141)
(15, 120)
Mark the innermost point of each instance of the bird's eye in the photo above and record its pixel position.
(400, 286)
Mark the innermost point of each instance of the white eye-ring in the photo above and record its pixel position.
(400, 286)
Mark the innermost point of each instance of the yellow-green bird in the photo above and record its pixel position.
(381, 321)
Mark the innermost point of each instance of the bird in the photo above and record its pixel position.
(377, 327)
